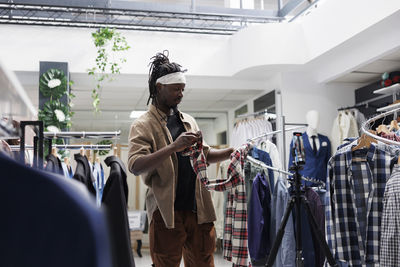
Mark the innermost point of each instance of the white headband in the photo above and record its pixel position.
(175, 77)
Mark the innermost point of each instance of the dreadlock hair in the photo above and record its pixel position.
(160, 66)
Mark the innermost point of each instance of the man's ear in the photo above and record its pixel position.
(158, 87)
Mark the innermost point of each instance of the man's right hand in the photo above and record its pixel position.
(185, 140)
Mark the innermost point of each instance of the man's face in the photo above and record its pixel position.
(171, 94)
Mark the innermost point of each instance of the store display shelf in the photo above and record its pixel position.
(387, 108)
(388, 90)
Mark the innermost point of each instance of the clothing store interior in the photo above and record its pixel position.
(200, 133)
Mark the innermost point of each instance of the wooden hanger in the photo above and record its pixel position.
(364, 141)
(115, 151)
(82, 151)
(54, 151)
(66, 161)
(382, 129)
(393, 125)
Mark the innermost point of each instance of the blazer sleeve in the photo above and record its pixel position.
(140, 143)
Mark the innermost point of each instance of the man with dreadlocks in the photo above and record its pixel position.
(180, 209)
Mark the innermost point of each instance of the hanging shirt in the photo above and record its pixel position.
(264, 157)
(54, 164)
(286, 254)
(273, 152)
(67, 170)
(235, 234)
(315, 166)
(390, 238)
(344, 126)
(354, 202)
(259, 221)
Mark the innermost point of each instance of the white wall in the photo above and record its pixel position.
(301, 93)
(273, 83)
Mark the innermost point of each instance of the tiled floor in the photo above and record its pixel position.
(145, 261)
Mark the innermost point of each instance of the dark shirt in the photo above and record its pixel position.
(259, 219)
(185, 191)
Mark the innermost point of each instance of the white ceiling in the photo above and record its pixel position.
(372, 71)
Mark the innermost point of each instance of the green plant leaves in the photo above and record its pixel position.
(109, 44)
(103, 152)
(53, 83)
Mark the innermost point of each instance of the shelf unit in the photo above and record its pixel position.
(393, 89)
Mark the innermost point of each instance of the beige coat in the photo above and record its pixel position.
(148, 134)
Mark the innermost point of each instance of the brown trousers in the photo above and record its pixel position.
(196, 242)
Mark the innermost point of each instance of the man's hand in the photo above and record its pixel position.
(184, 140)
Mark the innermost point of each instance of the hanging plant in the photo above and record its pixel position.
(109, 44)
(53, 83)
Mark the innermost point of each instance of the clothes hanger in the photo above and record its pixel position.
(394, 126)
(82, 151)
(66, 161)
(54, 151)
(115, 151)
(382, 129)
(364, 141)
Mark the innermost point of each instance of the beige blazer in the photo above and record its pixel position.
(149, 133)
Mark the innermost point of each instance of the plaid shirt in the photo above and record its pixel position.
(354, 202)
(235, 232)
(390, 238)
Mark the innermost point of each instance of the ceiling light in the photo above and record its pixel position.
(136, 114)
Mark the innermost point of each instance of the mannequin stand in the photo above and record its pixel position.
(296, 200)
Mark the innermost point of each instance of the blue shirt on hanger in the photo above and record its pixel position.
(263, 156)
(259, 219)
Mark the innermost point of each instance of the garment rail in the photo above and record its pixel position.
(380, 116)
(263, 165)
(114, 134)
(84, 134)
(365, 103)
(278, 131)
(86, 147)
(255, 114)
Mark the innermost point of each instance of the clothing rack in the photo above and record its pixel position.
(377, 117)
(86, 147)
(364, 103)
(83, 134)
(278, 131)
(265, 166)
(263, 112)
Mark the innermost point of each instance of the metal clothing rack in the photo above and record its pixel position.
(263, 112)
(364, 103)
(380, 116)
(104, 135)
(275, 132)
(86, 147)
(263, 165)
(38, 143)
(83, 134)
